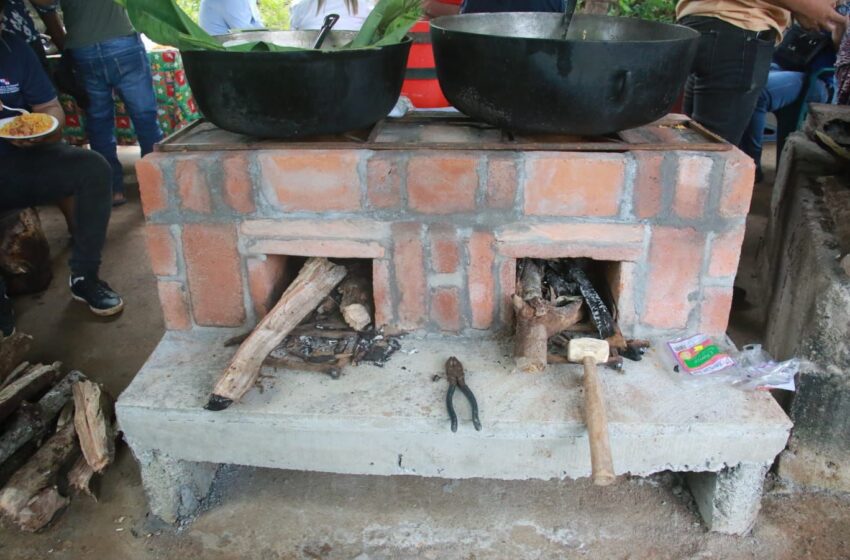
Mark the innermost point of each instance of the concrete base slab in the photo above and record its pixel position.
(175, 488)
(392, 420)
(729, 500)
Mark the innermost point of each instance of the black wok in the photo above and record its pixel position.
(516, 71)
(298, 93)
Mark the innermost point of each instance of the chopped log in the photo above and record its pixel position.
(12, 351)
(33, 422)
(15, 374)
(39, 472)
(599, 313)
(34, 382)
(356, 303)
(93, 411)
(533, 330)
(17, 460)
(332, 369)
(315, 281)
(531, 283)
(41, 509)
(79, 477)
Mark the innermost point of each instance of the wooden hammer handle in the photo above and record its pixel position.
(595, 417)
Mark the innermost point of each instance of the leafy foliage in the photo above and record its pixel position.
(655, 10)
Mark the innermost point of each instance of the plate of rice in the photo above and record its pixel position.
(28, 126)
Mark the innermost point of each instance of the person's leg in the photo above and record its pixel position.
(44, 175)
(93, 70)
(751, 141)
(135, 86)
(731, 69)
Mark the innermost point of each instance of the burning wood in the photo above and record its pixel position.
(315, 281)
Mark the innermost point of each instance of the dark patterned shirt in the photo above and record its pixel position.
(18, 21)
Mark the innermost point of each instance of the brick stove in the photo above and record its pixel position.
(443, 207)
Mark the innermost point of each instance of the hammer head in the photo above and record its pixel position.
(581, 348)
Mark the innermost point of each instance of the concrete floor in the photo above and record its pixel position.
(272, 514)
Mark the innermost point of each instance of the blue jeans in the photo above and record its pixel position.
(783, 88)
(119, 64)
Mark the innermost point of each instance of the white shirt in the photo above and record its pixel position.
(302, 14)
(219, 17)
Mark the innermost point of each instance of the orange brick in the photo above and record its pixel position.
(649, 187)
(574, 185)
(331, 248)
(367, 230)
(265, 282)
(151, 185)
(559, 240)
(501, 183)
(445, 309)
(238, 186)
(192, 186)
(726, 252)
(382, 292)
(445, 253)
(312, 180)
(442, 184)
(482, 287)
(175, 308)
(383, 181)
(507, 288)
(716, 307)
(692, 185)
(410, 275)
(161, 250)
(214, 273)
(738, 182)
(675, 263)
(622, 280)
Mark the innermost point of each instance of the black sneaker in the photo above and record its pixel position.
(102, 300)
(7, 316)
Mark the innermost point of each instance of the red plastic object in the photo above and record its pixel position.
(421, 85)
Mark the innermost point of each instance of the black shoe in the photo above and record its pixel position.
(102, 300)
(7, 316)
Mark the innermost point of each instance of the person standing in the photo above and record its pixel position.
(219, 17)
(109, 56)
(737, 38)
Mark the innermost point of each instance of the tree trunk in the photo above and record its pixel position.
(38, 473)
(29, 385)
(93, 410)
(315, 281)
(356, 304)
(33, 422)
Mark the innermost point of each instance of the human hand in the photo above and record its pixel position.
(819, 15)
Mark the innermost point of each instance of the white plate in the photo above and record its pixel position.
(45, 133)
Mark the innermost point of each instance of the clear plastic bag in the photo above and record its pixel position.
(757, 370)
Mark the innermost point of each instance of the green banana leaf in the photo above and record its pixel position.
(167, 24)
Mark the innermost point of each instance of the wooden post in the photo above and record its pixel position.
(315, 281)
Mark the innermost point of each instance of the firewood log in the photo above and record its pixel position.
(356, 303)
(79, 477)
(315, 281)
(41, 509)
(39, 472)
(533, 330)
(32, 383)
(12, 351)
(33, 422)
(93, 411)
(22, 369)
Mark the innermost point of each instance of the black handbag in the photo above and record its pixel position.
(799, 48)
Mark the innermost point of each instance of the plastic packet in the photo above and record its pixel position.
(699, 358)
(758, 370)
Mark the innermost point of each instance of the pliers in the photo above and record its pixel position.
(455, 377)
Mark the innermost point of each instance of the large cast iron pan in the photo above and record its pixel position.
(516, 70)
(300, 93)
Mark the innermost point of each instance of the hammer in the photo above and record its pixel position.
(589, 352)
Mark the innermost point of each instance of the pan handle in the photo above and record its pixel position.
(623, 86)
(330, 21)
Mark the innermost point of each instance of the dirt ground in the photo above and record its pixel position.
(275, 514)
